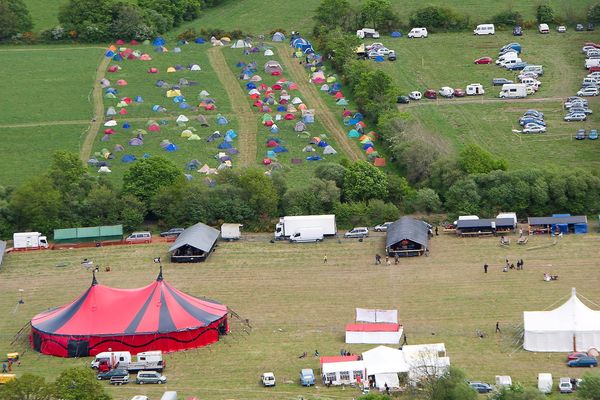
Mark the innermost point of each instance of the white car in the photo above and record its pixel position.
(383, 227)
(267, 379)
(588, 91)
(585, 49)
(534, 129)
(360, 232)
(595, 75)
(543, 28)
(415, 95)
(447, 92)
(561, 29)
(417, 33)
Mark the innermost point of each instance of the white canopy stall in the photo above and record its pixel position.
(571, 327)
(385, 363)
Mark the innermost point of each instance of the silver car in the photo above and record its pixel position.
(588, 91)
(575, 117)
(533, 128)
(360, 232)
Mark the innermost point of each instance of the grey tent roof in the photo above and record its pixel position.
(2, 248)
(580, 219)
(410, 229)
(199, 236)
(485, 223)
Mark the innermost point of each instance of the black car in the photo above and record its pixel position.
(517, 31)
(113, 372)
(579, 27)
(481, 387)
(591, 27)
(172, 232)
(501, 81)
(402, 100)
(580, 135)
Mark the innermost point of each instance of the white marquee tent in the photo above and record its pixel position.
(571, 327)
(385, 363)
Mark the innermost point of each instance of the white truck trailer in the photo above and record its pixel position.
(298, 224)
(29, 241)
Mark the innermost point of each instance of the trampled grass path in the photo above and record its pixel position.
(98, 104)
(248, 129)
(312, 97)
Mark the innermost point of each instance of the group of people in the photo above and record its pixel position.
(519, 266)
(387, 259)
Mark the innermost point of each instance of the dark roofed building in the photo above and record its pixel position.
(194, 244)
(484, 226)
(562, 223)
(407, 237)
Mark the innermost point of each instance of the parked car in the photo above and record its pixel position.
(534, 113)
(447, 92)
(374, 46)
(533, 128)
(267, 379)
(593, 134)
(580, 135)
(501, 81)
(481, 387)
(359, 232)
(579, 28)
(582, 109)
(383, 227)
(431, 94)
(586, 361)
(402, 100)
(172, 232)
(307, 377)
(543, 28)
(415, 95)
(150, 377)
(530, 120)
(459, 92)
(565, 385)
(575, 355)
(533, 125)
(139, 397)
(139, 237)
(561, 29)
(484, 60)
(516, 66)
(417, 33)
(517, 31)
(113, 372)
(588, 91)
(591, 27)
(574, 101)
(528, 74)
(392, 55)
(594, 75)
(575, 117)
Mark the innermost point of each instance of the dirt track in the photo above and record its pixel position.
(312, 97)
(248, 129)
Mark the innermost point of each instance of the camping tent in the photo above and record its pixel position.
(571, 327)
(272, 66)
(278, 37)
(155, 317)
(240, 44)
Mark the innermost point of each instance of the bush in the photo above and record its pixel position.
(508, 18)
(439, 19)
(189, 35)
(278, 30)
(544, 14)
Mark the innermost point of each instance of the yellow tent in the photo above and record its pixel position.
(173, 93)
(171, 69)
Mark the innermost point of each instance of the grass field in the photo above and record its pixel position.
(295, 303)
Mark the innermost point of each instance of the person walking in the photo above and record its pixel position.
(485, 268)
(377, 259)
(498, 327)
(325, 259)
(436, 231)
(404, 341)
(4, 370)
(396, 259)
(522, 263)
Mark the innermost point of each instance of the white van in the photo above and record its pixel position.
(503, 380)
(531, 82)
(513, 91)
(545, 383)
(511, 61)
(475, 89)
(543, 28)
(169, 395)
(139, 237)
(112, 358)
(506, 56)
(417, 33)
(485, 29)
(307, 235)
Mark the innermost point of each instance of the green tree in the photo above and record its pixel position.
(544, 14)
(147, 176)
(35, 206)
(89, 20)
(14, 18)
(226, 204)
(475, 160)
(374, 396)
(378, 14)
(589, 388)
(317, 198)
(100, 207)
(259, 194)
(463, 198)
(444, 172)
(450, 386)
(398, 190)
(593, 14)
(375, 93)
(340, 48)
(438, 18)
(130, 22)
(379, 211)
(427, 200)
(353, 214)
(26, 387)
(363, 182)
(181, 204)
(334, 13)
(178, 10)
(331, 172)
(518, 392)
(79, 383)
(508, 18)
(131, 212)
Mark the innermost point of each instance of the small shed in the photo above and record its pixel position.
(407, 237)
(562, 223)
(194, 244)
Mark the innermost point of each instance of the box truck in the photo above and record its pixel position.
(290, 225)
(29, 241)
(231, 231)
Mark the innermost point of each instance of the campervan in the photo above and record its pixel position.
(367, 33)
(485, 29)
(503, 380)
(513, 91)
(510, 62)
(475, 89)
(507, 56)
(112, 358)
(417, 33)
(545, 383)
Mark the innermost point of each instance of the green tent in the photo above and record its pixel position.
(353, 133)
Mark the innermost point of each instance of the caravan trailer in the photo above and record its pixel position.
(513, 91)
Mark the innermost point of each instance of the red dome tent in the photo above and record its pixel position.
(154, 317)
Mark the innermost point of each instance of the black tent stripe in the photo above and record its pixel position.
(135, 322)
(198, 313)
(54, 323)
(165, 322)
(161, 337)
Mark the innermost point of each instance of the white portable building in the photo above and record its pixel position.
(343, 373)
(571, 327)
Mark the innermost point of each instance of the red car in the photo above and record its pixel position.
(459, 93)
(430, 94)
(593, 69)
(484, 60)
(575, 355)
(592, 44)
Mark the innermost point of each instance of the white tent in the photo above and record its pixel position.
(372, 315)
(240, 44)
(425, 360)
(268, 52)
(383, 333)
(385, 363)
(571, 327)
(345, 373)
(182, 118)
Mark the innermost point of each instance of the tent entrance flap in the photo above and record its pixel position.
(390, 379)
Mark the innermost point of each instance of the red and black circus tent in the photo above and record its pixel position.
(154, 317)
